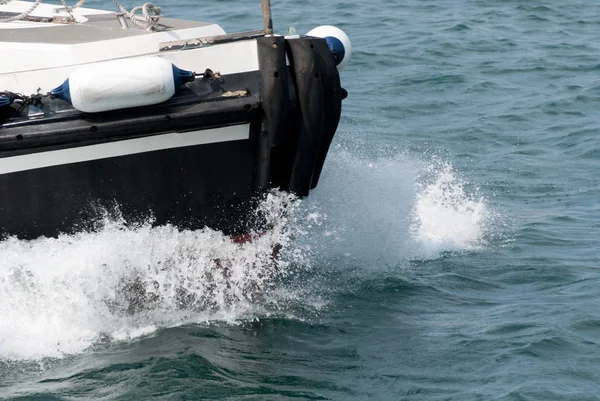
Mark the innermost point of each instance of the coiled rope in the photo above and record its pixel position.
(148, 22)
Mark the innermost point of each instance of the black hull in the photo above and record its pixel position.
(205, 185)
(290, 115)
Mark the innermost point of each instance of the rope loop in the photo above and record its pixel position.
(34, 6)
(148, 22)
(22, 15)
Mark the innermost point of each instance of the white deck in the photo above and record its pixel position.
(40, 55)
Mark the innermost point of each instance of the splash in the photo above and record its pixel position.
(445, 216)
(368, 204)
(62, 295)
(385, 210)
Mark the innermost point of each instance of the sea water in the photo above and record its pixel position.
(450, 252)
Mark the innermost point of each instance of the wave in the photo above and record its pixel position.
(63, 295)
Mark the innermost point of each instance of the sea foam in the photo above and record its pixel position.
(60, 296)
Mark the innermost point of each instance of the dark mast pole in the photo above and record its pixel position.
(267, 17)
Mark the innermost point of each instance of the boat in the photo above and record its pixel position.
(157, 119)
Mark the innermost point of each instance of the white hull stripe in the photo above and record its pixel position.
(123, 148)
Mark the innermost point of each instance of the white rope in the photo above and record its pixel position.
(69, 9)
(149, 22)
(34, 6)
(64, 3)
(22, 15)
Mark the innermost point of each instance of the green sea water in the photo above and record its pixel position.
(450, 252)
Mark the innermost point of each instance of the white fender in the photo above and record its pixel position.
(338, 42)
